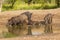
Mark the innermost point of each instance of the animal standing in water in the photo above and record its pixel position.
(21, 19)
(48, 23)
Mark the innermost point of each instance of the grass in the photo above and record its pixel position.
(8, 35)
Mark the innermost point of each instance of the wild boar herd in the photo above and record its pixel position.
(25, 19)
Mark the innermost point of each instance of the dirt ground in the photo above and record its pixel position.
(37, 15)
(39, 37)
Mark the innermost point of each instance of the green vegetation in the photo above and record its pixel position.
(29, 4)
(8, 35)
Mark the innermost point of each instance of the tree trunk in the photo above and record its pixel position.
(1, 2)
(13, 2)
(57, 2)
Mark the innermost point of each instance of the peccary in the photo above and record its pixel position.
(21, 19)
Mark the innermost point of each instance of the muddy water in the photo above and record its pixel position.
(36, 30)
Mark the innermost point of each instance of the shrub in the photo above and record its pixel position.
(23, 6)
(49, 6)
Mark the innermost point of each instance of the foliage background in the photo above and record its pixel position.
(34, 4)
